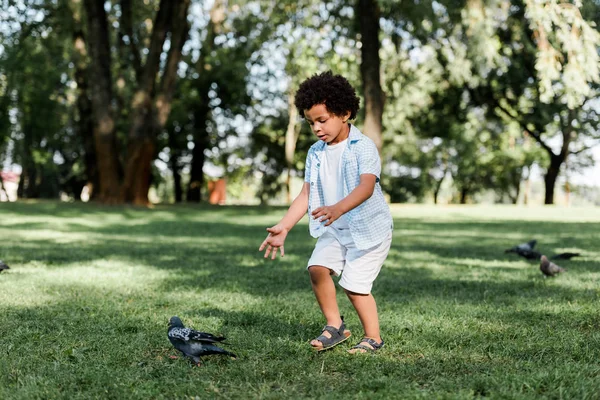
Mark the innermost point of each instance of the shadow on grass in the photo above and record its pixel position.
(225, 256)
(457, 311)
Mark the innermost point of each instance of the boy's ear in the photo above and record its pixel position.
(346, 116)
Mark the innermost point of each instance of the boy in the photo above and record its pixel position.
(347, 210)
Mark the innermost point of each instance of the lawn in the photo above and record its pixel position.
(85, 305)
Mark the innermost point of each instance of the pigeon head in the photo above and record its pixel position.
(176, 321)
(544, 259)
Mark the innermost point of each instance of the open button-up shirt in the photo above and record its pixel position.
(370, 222)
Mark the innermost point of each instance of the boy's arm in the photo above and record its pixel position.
(362, 192)
(278, 233)
(297, 209)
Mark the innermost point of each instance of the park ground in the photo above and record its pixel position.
(85, 305)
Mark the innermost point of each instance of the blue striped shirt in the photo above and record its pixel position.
(371, 221)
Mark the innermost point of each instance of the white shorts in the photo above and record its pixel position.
(336, 250)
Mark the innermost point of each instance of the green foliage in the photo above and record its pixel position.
(84, 307)
(37, 91)
(567, 59)
(486, 64)
(464, 80)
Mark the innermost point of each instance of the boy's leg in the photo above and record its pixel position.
(366, 308)
(324, 289)
(360, 271)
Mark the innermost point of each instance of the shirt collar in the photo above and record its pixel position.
(353, 136)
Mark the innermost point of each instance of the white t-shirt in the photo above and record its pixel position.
(330, 174)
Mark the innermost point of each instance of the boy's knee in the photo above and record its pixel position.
(318, 272)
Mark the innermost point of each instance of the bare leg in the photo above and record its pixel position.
(324, 289)
(366, 308)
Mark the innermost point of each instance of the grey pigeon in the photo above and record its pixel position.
(548, 268)
(3, 266)
(564, 256)
(525, 250)
(528, 246)
(194, 344)
(529, 254)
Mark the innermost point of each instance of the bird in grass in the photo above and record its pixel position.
(194, 344)
(525, 250)
(548, 268)
(3, 266)
(564, 256)
(527, 246)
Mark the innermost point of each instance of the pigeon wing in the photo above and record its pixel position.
(189, 334)
(205, 337)
(177, 333)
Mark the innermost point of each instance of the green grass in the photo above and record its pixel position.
(84, 307)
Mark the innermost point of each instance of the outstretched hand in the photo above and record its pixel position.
(274, 241)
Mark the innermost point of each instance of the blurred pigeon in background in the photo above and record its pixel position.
(525, 250)
(194, 344)
(548, 268)
(529, 254)
(564, 256)
(3, 266)
(528, 246)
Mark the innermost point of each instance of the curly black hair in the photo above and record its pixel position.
(334, 91)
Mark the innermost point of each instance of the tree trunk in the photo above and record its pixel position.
(368, 18)
(202, 110)
(569, 134)
(464, 193)
(126, 28)
(174, 155)
(178, 189)
(194, 192)
(85, 123)
(101, 83)
(149, 111)
(438, 186)
(291, 138)
(550, 178)
(179, 33)
(3, 189)
(517, 185)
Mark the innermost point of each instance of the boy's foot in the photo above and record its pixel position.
(330, 337)
(367, 345)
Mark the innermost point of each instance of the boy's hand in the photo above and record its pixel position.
(274, 241)
(327, 213)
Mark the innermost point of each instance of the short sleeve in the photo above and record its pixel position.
(368, 160)
(307, 166)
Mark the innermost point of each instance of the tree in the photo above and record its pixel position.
(546, 74)
(150, 105)
(83, 117)
(368, 14)
(105, 139)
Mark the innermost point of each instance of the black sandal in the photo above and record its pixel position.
(360, 346)
(337, 336)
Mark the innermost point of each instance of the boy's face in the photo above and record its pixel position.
(328, 127)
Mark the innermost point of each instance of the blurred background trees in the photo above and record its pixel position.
(120, 97)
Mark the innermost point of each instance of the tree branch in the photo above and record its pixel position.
(126, 23)
(535, 135)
